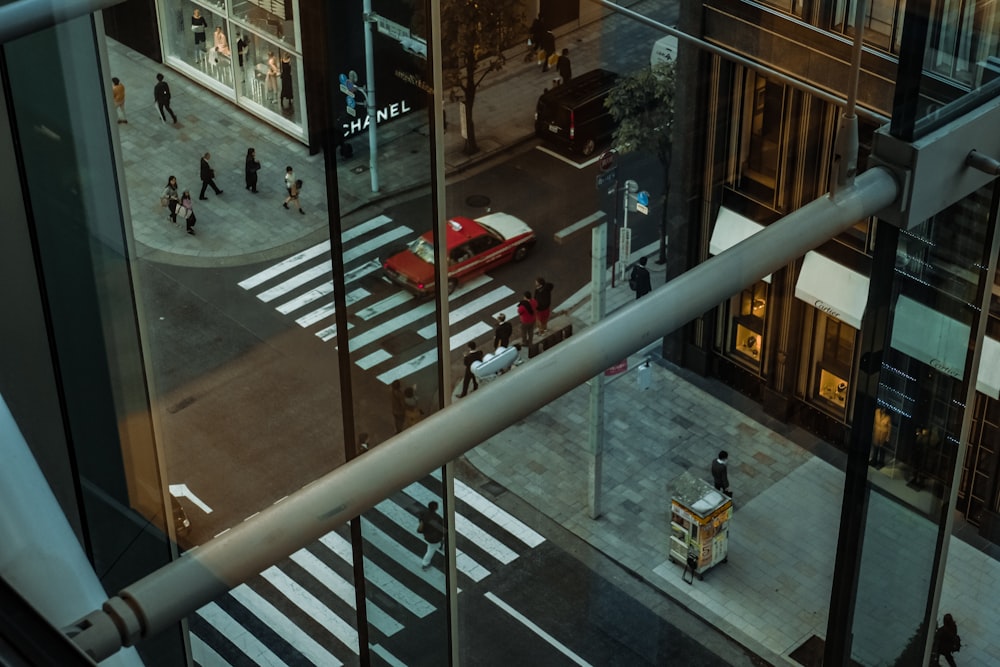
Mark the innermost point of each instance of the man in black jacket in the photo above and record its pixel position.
(471, 356)
(432, 530)
(639, 280)
(161, 93)
(207, 177)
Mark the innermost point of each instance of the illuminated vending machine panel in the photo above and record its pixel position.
(699, 524)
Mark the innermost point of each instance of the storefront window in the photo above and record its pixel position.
(747, 335)
(833, 355)
(883, 22)
(756, 138)
(247, 56)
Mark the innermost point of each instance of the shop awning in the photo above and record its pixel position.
(930, 336)
(988, 381)
(832, 288)
(730, 229)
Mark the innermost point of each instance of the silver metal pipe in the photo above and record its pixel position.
(199, 576)
(24, 17)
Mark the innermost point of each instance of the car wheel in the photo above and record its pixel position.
(520, 253)
(452, 285)
(588, 148)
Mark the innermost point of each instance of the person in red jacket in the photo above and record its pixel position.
(526, 308)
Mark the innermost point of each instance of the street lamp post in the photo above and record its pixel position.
(370, 94)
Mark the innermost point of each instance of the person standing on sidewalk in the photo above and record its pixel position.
(430, 527)
(252, 167)
(189, 216)
(501, 336)
(161, 93)
(543, 301)
(472, 355)
(720, 473)
(118, 94)
(639, 280)
(526, 308)
(564, 66)
(207, 176)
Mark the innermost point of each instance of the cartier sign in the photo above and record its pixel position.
(827, 308)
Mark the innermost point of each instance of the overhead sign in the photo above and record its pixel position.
(391, 29)
(607, 178)
(642, 202)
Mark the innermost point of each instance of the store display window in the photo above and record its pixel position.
(832, 353)
(248, 54)
(746, 340)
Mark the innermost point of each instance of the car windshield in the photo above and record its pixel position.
(423, 249)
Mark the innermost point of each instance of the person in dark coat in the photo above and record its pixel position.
(207, 176)
(640, 279)
(161, 93)
(501, 336)
(252, 167)
(471, 356)
(548, 47)
(432, 530)
(720, 472)
(946, 641)
(286, 80)
(565, 67)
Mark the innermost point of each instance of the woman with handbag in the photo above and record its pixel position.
(170, 199)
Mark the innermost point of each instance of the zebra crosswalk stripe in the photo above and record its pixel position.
(308, 603)
(285, 265)
(494, 513)
(238, 635)
(284, 626)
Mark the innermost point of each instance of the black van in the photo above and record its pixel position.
(573, 116)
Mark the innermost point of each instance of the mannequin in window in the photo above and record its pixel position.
(198, 27)
(271, 82)
(221, 43)
(881, 431)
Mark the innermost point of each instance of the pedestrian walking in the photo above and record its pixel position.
(252, 167)
(543, 301)
(946, 641)
(501, 336)
(432, 530)
(187, 212)
(198, 26)
(411, 407)
(170, 198)
(118, 95)
(548, 50)
(289, 180)
(639, 281)
(396, 403)
(293, 196)
(161, 93)
(207, 176)
(526, 308)
(472, 355)
(564, 66)
(286, 81)
(536, 35)
(720, 472)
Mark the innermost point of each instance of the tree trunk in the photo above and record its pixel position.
(470, 98)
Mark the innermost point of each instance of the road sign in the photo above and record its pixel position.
(607, 161)
(607, 178)
(642, 202)
(392, 29)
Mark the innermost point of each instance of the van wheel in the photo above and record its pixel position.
(588, 148)
(452, 285)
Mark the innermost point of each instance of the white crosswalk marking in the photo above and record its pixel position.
(344, 590)
(377, 576)
(465, 564)
(283, 626)
(474, 533)
(494, 513)
(308, 603)
(301, 287)
(240, 637)
(315, 588)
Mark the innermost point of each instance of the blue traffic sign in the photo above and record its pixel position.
(642, 198)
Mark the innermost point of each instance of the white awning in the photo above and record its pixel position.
(930, 336)
(988, 381)
(730, 229)
(832, 288)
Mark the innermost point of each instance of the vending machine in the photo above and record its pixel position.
(699, 524)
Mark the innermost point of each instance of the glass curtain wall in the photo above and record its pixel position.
(247, 51)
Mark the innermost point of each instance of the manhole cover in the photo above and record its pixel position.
(477, 201)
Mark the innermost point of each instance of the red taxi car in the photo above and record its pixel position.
(474, 246)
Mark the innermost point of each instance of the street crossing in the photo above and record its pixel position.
(301, 287)
(303, 610)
